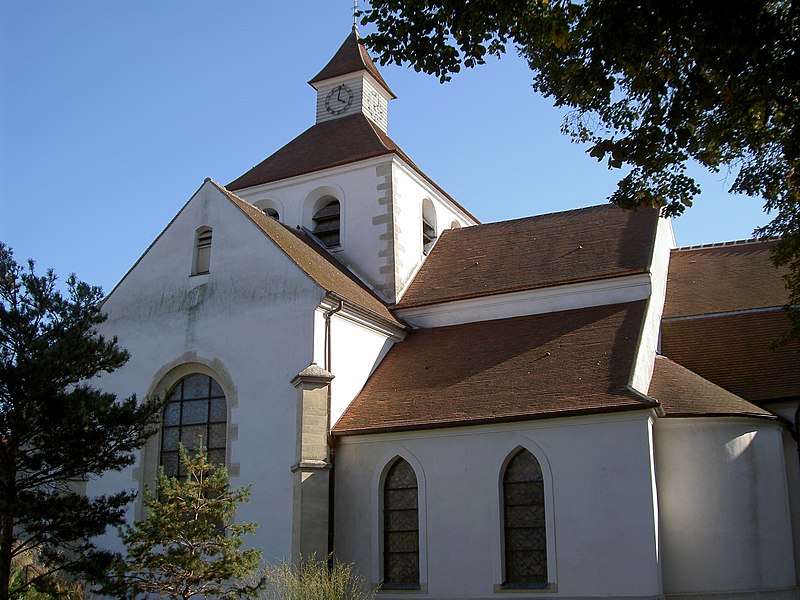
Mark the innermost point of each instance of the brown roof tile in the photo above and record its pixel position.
(566, 247)
(351, 56)
(325, 145)
(551, 365)
(733, 352)
(314, 261)
(723, 278)
(683, 393)
(329, 144)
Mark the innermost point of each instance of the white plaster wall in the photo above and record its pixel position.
(722, 494)
(787, 410)
(648, 341)
(357, 188)
(410, 191)
(253, 315)
(603, 540)
(355, 352)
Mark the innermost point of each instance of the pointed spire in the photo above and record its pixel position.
(351, 57)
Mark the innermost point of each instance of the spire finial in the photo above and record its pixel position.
(355, 16)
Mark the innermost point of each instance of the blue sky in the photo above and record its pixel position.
(112, 113)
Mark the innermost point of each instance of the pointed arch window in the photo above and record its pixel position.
(327, 221)
(400, 527)
(202, 252)
(525, 536)
(196, 408)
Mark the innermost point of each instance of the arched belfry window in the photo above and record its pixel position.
(428, 225)
(524, 522)
(271, 212)
(202, 251)
(196, 408)
(327, 221)
(400, 527)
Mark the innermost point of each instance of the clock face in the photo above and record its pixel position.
(338, 99)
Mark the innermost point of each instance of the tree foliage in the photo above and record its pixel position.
(651, 84)
(56, 429)
(188, 544)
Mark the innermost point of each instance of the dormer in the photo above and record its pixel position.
(350, 84)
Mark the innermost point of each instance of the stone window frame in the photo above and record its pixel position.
(207, 423)
(145, 471)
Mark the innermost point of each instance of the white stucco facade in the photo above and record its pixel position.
(249, 324)
(601, 518)
(725, 515)
(638, 503)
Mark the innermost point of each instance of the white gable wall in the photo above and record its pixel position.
(410, 190)
(356, 348)
(602, 521)
(381, 216)
(250, 319)
(361, 190)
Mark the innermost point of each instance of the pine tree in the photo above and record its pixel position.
(56, 429)
(188, 544)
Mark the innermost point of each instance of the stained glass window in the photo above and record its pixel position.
(524, 521)
(196, 408)
(400, 527)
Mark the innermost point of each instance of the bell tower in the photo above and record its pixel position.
(350, 84)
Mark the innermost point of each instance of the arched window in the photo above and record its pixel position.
(524, 522)
(327, 221)
(269, 207)
(428, 225)
(400, 527)
(196, 408)
(202, 251)
(271, 212)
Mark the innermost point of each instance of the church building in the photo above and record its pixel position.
(561, 406)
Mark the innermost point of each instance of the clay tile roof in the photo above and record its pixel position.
(325, 145)
(551, 365)
(351, 57)
(567, 247)
(733, 351)
(683, 393)
(723, 278)
(314, 261)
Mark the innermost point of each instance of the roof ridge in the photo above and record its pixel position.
(754, 240)
(552, 214)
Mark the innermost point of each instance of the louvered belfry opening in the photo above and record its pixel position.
(524, 521)
(428, 235)
(203, 251)
(400, 527)
(327, 223)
